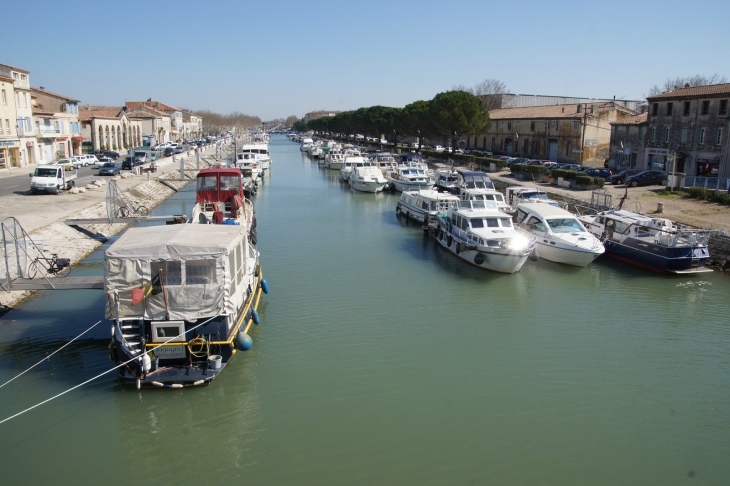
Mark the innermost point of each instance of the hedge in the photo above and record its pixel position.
(708, 195)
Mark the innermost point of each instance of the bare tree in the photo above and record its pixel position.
(489, 92)
(686, 82)
(291, 120)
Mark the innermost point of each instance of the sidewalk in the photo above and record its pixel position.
(34, 212)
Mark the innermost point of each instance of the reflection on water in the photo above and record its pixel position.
(382, 358)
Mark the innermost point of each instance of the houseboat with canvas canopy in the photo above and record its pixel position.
(182, 298)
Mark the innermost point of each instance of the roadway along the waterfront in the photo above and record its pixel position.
(20, 184)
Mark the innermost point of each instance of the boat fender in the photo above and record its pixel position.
(146, 362)
(534, 256)
(252, 238)
(255, 317)
(265, 286)
(462, 247)
(243, 341)
(253, 222)
(479, 258)
(449, 240)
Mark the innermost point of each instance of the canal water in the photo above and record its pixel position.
(382, 359)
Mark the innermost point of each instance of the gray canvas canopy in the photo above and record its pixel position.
(191, 261)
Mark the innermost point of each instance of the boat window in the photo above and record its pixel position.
(499, 197)
(424, 205)
(230, 182)
(492, 222)
(565, 225)
(506, 223)
(239, 265)
(620, 227)
(477, 223)
(489, 197)
(206, 183)
(521, 215)
(199, 272)
(232, 271)
(535, 224)
(464, 224)
(171, 272)
(493, 243)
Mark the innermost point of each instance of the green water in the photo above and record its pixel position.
(382, 359)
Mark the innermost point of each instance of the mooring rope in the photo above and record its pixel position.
(102, 374)
(59, 349)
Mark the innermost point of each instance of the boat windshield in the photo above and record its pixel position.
(490, 222)
(565, 225)
(476, 182)
(535, 195)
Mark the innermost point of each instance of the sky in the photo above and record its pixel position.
(273, 59)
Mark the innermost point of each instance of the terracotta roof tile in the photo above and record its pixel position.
(38, 91)
(697, 91)
(155, 105)
(553, 111)
(88, 112)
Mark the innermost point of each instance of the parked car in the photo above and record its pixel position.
(130, 161)
(569, 166)
(621, 176)
(438, 148)
(78, 162)
(103, 159)
(169, 151)
(67, 164)
(550, 165)
(511, 161)
(51, 179)
(110, 168)
(179, 149)
(647, 178)
(110, 153)
(598, 172)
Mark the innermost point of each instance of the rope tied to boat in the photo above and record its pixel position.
(47, 357)
(136, 358)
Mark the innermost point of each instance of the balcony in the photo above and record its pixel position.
(20, 84)
(22, 132)
(48, 132)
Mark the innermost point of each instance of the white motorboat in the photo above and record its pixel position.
(559, 236)
(409, 178)
(478, 185)
(367, 178)
(306, 143)
(351, 159)
(385, 162)
(424, 206)
(260, 151)
(249, 162)
(334, 159)
(517, 195)
(478, 233)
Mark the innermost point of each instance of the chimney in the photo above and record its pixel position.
(41, 88)
(580, 107)
(686, 85)
(593, 107)
(563, 110)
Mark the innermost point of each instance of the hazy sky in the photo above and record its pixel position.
(280, 58)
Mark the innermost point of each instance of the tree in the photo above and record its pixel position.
(414, 118)
(455, 113)
(489, 92)
(300, 126)
(291, 120)
(686, 82)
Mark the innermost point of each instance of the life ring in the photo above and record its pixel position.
(449, 240)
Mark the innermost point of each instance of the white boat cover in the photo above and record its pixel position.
(196, 287)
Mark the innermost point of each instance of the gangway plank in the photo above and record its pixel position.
(132, 220)
(57, 283)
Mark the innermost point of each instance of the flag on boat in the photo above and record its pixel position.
(152, 287)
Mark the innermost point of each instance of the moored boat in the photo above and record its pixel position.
(182, 298)
(654, 243)
(478, 233)
(559, 236)
(424, 206)
(366, 177)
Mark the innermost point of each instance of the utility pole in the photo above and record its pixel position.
(583, 136)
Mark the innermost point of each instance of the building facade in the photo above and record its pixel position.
(628, 145)
(57, 126)
(313, 115)
(571, 133)
(108, 128)
(691, 123)
(17, 140)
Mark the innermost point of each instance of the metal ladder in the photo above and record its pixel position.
(132, 337)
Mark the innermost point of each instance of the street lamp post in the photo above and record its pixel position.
(395, 140)
(419, 141)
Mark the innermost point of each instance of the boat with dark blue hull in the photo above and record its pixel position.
(657, 244)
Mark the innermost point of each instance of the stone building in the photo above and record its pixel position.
(169, 120)
(570, 133)
(628, 145)
(691, 123)
(313, 115)
(57, 126)
(108, 128)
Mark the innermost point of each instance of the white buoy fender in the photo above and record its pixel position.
(255, 317)
(264, 287)
(243, 341)
(146, 362)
